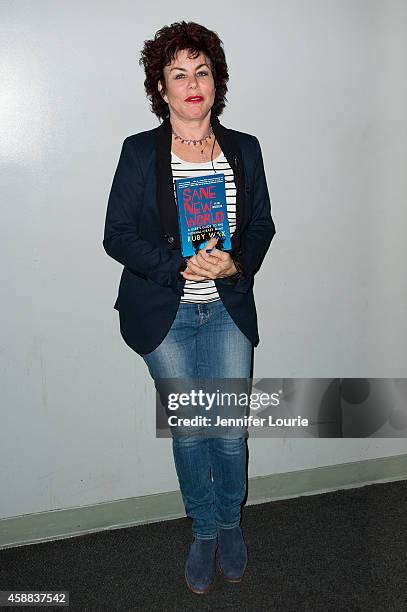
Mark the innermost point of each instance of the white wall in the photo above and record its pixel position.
(323, 86)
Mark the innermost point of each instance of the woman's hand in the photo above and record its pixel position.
(203, 265)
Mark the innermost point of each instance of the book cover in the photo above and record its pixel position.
(202, 212)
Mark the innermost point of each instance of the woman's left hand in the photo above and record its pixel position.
(203, 265)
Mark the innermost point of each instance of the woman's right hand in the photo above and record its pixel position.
(204, 265)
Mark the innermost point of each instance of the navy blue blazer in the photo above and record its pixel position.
(141, 232)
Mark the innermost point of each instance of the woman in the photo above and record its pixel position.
(195, 317)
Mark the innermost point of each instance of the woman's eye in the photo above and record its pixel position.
(182, 75)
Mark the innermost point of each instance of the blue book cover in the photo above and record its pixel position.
(202, 212)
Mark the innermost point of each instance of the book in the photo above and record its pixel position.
(202, 213)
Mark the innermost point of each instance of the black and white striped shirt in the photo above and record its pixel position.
(205, 290)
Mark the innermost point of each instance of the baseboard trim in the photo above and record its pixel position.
(72, 522)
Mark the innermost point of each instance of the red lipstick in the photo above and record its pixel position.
(193, 99)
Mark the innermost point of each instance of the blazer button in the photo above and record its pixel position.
(170, 239)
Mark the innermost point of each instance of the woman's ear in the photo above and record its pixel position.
(160, 89)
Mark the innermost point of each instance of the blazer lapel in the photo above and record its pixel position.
(165, 188)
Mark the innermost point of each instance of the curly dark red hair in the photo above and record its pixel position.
(161, 51)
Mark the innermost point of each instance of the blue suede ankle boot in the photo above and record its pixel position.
(200, 569)
(232, 553)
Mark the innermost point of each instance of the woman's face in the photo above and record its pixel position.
(186, 78)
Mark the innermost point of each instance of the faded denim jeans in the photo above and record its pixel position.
(204, 341)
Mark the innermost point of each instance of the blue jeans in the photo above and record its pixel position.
(205, 342)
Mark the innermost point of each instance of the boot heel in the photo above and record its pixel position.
(221, 572)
